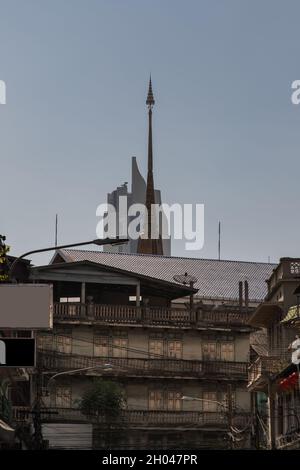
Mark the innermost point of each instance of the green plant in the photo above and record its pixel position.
(103, 398)
(5, 404)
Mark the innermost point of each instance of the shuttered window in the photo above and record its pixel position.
(100, 346)
(64, 344)
(209, 351)
(120, 347)
(227, 351)
(175, 349)
(209, 399)
(156, 400)
(156, 347)
(174, 401)
(45, 342)
(63, 397)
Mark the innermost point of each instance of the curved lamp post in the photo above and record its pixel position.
(97, 241)
(227, 410)
(74, 371)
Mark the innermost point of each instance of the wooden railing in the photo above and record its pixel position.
(288, 441)
(146, 315)
(146, 418)
(144, 366)
(21, 413)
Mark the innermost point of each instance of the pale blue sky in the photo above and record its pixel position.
(225, 131)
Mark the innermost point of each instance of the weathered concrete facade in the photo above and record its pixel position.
(182, 365)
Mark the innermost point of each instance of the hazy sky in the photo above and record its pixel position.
(225, 131)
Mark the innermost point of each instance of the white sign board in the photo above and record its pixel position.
(26, 306)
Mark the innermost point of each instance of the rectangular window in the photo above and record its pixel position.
(132, 298)
(227, 351)
(63, 397)
(120, 347)
(64, 344)
(210, 401)
(174, 402)
(156, 347)
(45, 342)
(22, 334)
(224, 400)
(100, 346)
(209, 351)
(156, 400)
(175, 349)
(69, 299)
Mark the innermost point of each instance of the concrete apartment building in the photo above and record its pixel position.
(163, 341)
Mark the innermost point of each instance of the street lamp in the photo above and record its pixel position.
(37, 422)
(99, 366)
(188, 398)
(97, 241)
(227, 408)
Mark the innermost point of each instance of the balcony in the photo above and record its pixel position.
(160, 316)
(139, 418)
(21, 413)
(289, 441)
(264, 368)
(145, 367)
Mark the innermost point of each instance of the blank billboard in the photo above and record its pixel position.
(26, 306)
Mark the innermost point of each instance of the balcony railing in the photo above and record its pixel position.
(147, 418)
(144, 366)
(21, 413)
(102, 313)
(288, 441)
(266, 367)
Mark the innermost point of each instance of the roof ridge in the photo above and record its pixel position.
(171, 257)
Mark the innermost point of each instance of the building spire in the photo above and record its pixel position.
(150, 98)
(148, 245)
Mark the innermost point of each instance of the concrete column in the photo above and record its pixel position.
(138, 294)
(271, 402)
(82, 297)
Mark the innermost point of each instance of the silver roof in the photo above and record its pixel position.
(215, 279)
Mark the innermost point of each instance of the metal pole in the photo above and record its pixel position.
(219, 242)
(56, 225)
(37, 421)
(272, 441)
(230, 416)
(99, 242)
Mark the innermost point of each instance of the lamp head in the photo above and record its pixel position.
(110, 241)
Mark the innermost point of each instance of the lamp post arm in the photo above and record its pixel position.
(206, 400)
(72, 372)
(99, 242)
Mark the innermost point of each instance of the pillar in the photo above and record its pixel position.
(271, 402)
(82, 297)
(138, 294)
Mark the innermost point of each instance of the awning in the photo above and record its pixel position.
(265, 314)
(292, 314)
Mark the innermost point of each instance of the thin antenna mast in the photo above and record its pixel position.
(56, 225)
(219, 242)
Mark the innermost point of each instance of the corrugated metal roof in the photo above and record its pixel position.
(259, 342)
(216, 279)
(292, 314)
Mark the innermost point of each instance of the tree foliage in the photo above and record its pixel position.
(5, 404)
(103, 398)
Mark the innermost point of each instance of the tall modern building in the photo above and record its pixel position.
(142, 192)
